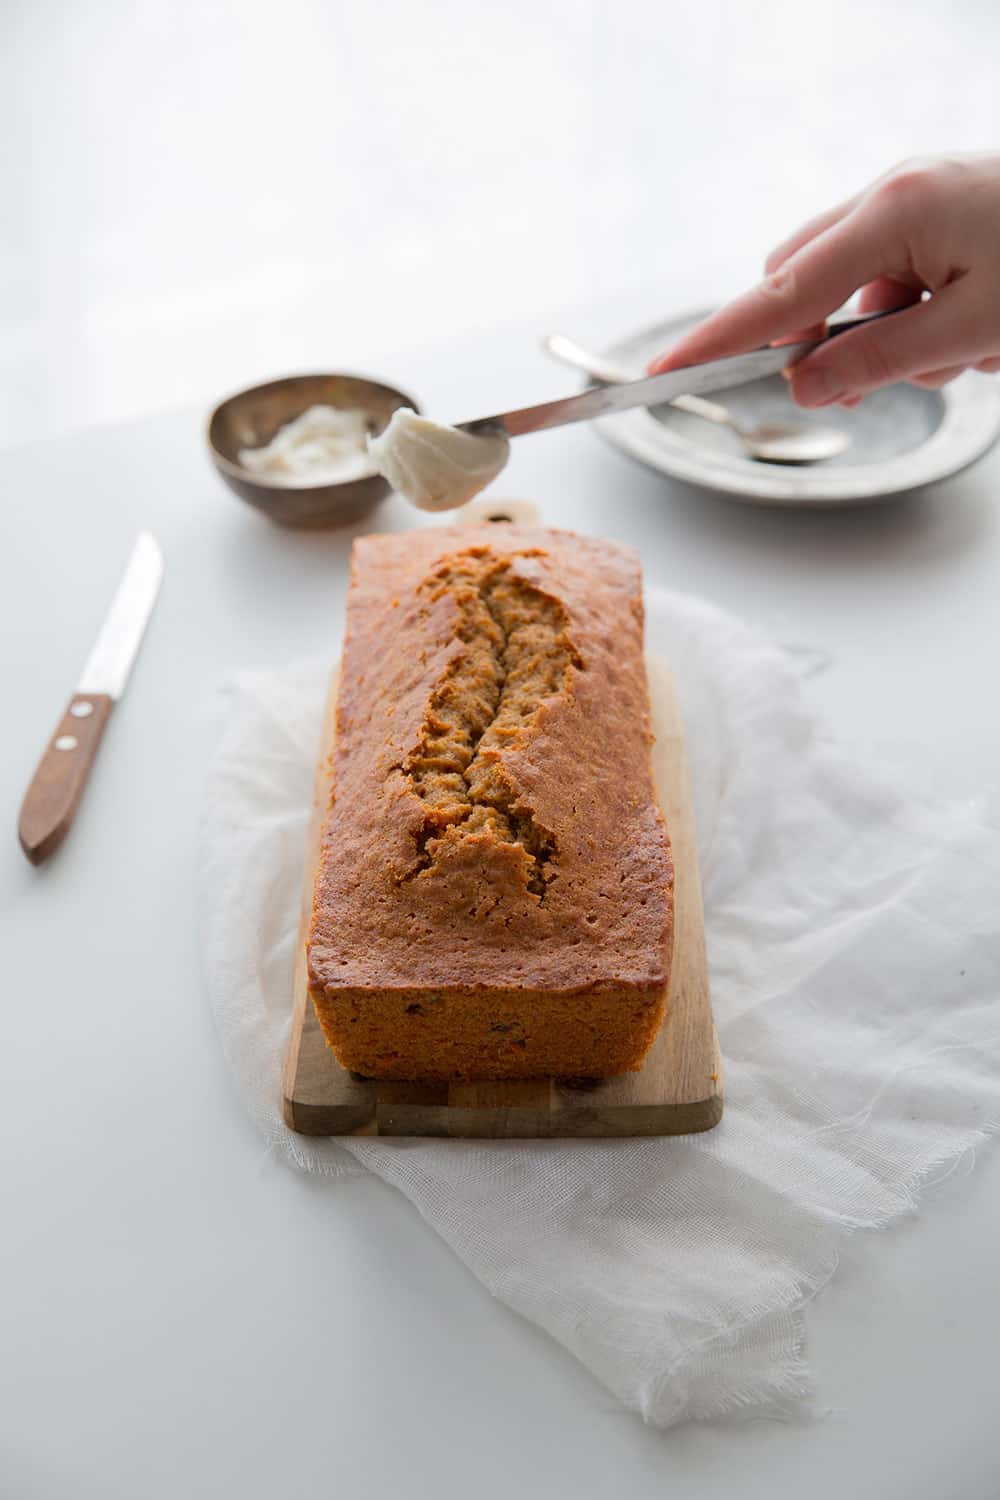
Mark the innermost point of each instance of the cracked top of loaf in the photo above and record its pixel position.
(493, 821)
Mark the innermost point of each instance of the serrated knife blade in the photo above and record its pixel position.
(119, 638)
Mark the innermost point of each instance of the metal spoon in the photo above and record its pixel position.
(772, 442)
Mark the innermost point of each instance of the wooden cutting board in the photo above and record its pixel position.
(678, 1090)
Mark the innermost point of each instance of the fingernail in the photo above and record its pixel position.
(817, 387)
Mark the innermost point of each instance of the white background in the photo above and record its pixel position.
(198, 196)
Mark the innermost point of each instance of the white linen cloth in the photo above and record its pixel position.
(855, 961)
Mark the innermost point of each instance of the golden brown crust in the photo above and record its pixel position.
(495, 890)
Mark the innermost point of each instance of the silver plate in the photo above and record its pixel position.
(902, 437)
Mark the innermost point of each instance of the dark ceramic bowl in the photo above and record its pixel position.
(252, 417)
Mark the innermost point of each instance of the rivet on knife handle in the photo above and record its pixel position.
(51, 800)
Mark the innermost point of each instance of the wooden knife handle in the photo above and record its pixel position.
(51, 801)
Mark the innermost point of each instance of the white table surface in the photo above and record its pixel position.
(197, 196)
(182, 1315)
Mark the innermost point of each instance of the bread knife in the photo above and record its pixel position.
(655, 390)
(51, 801)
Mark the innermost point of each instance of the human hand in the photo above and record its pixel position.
(926, 227)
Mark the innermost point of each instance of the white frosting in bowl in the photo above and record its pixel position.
(326, 444)
(436, 467)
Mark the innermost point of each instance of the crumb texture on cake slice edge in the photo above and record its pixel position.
(490, 1032)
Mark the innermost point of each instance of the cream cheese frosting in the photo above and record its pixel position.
(436, 467)
(325, 444)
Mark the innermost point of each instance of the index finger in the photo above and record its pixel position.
(812, 283)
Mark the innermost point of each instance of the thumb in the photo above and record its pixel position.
(946, 330)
